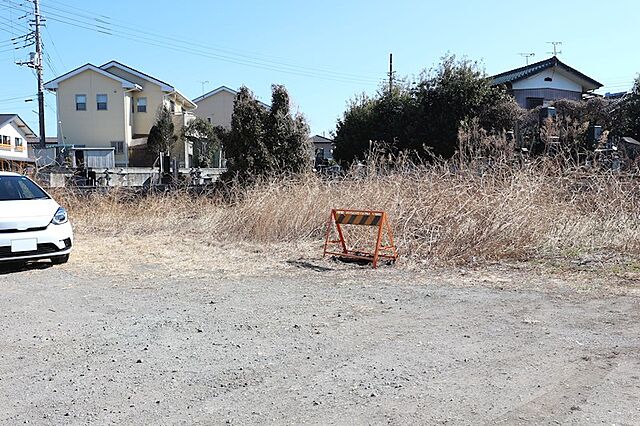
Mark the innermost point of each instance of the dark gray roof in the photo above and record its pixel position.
(529, 70)
(49, 140)
(320, 139)
(5, 118)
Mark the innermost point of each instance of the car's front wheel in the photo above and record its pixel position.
(59, 260)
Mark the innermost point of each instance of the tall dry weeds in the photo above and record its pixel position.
(446, 213)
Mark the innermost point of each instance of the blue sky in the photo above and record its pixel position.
(325, 52)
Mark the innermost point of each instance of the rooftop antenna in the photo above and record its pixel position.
(527, 56)
(555, 44)
(202, 83)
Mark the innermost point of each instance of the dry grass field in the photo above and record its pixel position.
(441, 214)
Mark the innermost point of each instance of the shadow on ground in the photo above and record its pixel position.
(15, 267)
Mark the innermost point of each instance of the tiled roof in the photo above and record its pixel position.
(529, 70)
(4, 118)
(7, 118)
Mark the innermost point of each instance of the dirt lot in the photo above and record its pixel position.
(130, 332)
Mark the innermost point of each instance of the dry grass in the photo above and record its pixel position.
(443, 213)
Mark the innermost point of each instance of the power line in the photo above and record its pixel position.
(70, 18)
(55, 48)
(236, 52)
(16, 98)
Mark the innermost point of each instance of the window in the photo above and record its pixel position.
(119, 147)
(101, 101)
(172, 106)
(6, 140)
(142, 104)
(19, 188)
(534, 102)
(19, 144)
(81, 102)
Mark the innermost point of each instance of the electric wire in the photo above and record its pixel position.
(69, 18)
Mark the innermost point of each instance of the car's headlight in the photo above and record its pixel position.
(60, 217)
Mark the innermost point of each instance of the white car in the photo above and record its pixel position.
(32, 225)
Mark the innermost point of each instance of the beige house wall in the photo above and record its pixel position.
(91, 128)
(218, 108)
(142, 121)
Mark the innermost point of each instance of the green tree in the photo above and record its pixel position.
(162, 137)
(286, 134)
(424, 117)
(455, 91)
(245, 150)
(265, 140)
(384, 121)
(354, 130)
(205, 139)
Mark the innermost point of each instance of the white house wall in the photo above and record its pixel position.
(11, 130)
(559, 81)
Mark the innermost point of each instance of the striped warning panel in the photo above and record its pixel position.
(358, 219)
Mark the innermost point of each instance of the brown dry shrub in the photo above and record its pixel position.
(446, 213)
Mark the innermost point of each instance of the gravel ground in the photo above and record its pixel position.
(310, 342)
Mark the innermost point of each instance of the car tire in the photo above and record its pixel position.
(59, 260)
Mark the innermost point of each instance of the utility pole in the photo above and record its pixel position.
(555, 44)
(390, 73)
(527, 56)
(35, 62)
(38, 60)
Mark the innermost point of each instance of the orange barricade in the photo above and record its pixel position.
(377, 219)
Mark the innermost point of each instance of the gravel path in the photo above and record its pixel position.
(316, 346)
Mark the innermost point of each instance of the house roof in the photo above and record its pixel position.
(49, 140)
(223, 89)
(216, 91)
(10, 157)
(529, 70)
(320, 139)
(126, 84)
(184, 99)
(6, 118)
(102, 69)
(165, 86)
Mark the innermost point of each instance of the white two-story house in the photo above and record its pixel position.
(115, 106)
(13, 141)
